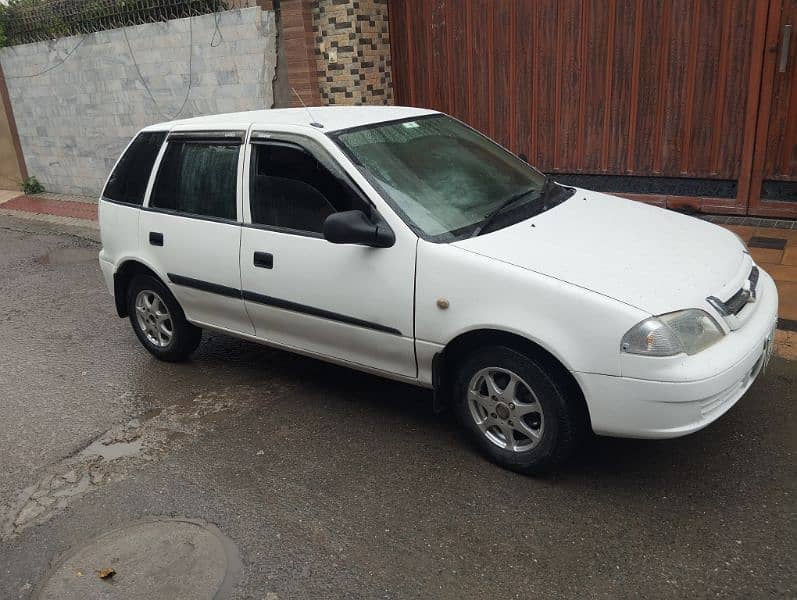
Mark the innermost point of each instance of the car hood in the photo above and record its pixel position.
(653, 259)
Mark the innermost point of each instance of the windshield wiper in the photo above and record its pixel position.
(554, 193)
(503, 206)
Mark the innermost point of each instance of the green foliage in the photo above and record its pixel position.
(25, 21)
(32, 186)
(2, 25)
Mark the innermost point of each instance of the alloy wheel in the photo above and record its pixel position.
(505, 409)
(153, 318)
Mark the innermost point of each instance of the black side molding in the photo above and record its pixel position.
(316, 312)
(231, 292)
(205, 286)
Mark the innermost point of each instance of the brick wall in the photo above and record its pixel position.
(78, 100)
(296, 24)
(352, 47)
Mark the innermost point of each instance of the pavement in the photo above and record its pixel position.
(62, 212)
(272, 476)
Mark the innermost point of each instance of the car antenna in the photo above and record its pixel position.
(313, 122)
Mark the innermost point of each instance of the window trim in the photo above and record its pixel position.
(286, 230)
(278, 138)
(120, 202)
(177, 213)
(219, 136)
(154, 173)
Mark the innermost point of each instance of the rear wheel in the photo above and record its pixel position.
(158, 320)
(515, 411)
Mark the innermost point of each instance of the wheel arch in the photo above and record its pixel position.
(444, 364)
(126, 272)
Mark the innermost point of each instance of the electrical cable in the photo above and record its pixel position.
(217, 29)
(190, 69)
(53, 66)
(213, 44)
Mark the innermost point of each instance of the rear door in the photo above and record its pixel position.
(348, 302)
(189, 228)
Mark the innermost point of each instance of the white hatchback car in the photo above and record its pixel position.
(401, 242)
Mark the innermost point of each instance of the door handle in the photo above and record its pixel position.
(155, 238)
(785, 41)
(264, 260)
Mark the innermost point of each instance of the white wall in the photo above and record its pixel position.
(78, 100)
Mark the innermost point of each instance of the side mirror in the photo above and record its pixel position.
(353, 227)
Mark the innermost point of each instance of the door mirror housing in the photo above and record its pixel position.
(353, 227)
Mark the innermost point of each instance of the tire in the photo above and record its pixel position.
(158, 320)
(537, 406)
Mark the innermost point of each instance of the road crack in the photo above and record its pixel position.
(116, 453)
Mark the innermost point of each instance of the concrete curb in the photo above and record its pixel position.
(34, 223)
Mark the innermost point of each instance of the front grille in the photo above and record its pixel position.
(745, 295)
(739, 300)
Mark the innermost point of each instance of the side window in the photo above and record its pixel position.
(198, 179)
(129, 179)
(289, 188)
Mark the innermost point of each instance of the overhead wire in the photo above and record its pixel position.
(215, 41)
(190, 72)
(53, 66)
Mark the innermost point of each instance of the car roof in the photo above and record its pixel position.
(333, 118)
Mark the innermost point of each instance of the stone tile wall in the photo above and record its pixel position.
(77, 101)
(352, 46)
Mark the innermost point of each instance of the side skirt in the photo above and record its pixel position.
(337, 361)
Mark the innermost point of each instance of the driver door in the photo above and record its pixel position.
(349, 303)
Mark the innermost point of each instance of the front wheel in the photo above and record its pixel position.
(159, 322)
(515, 411)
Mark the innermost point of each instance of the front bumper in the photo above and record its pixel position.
(651, 408)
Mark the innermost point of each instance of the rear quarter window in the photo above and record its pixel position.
(198, 179)
(129, 179)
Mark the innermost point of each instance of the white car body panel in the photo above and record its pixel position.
(187, 253)
(484, 293)
(200, 249)
(122, 244)
(572, 280)
(659, 261)
(369, 284)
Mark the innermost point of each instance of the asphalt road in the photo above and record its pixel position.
(334, 484)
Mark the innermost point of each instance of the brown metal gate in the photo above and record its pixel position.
(623, 88)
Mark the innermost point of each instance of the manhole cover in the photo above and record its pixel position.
(164, 558)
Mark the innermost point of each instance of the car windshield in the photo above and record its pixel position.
(443, 178)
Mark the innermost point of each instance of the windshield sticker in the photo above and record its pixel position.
(410, 125)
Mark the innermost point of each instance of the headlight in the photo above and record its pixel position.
(687, 331)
